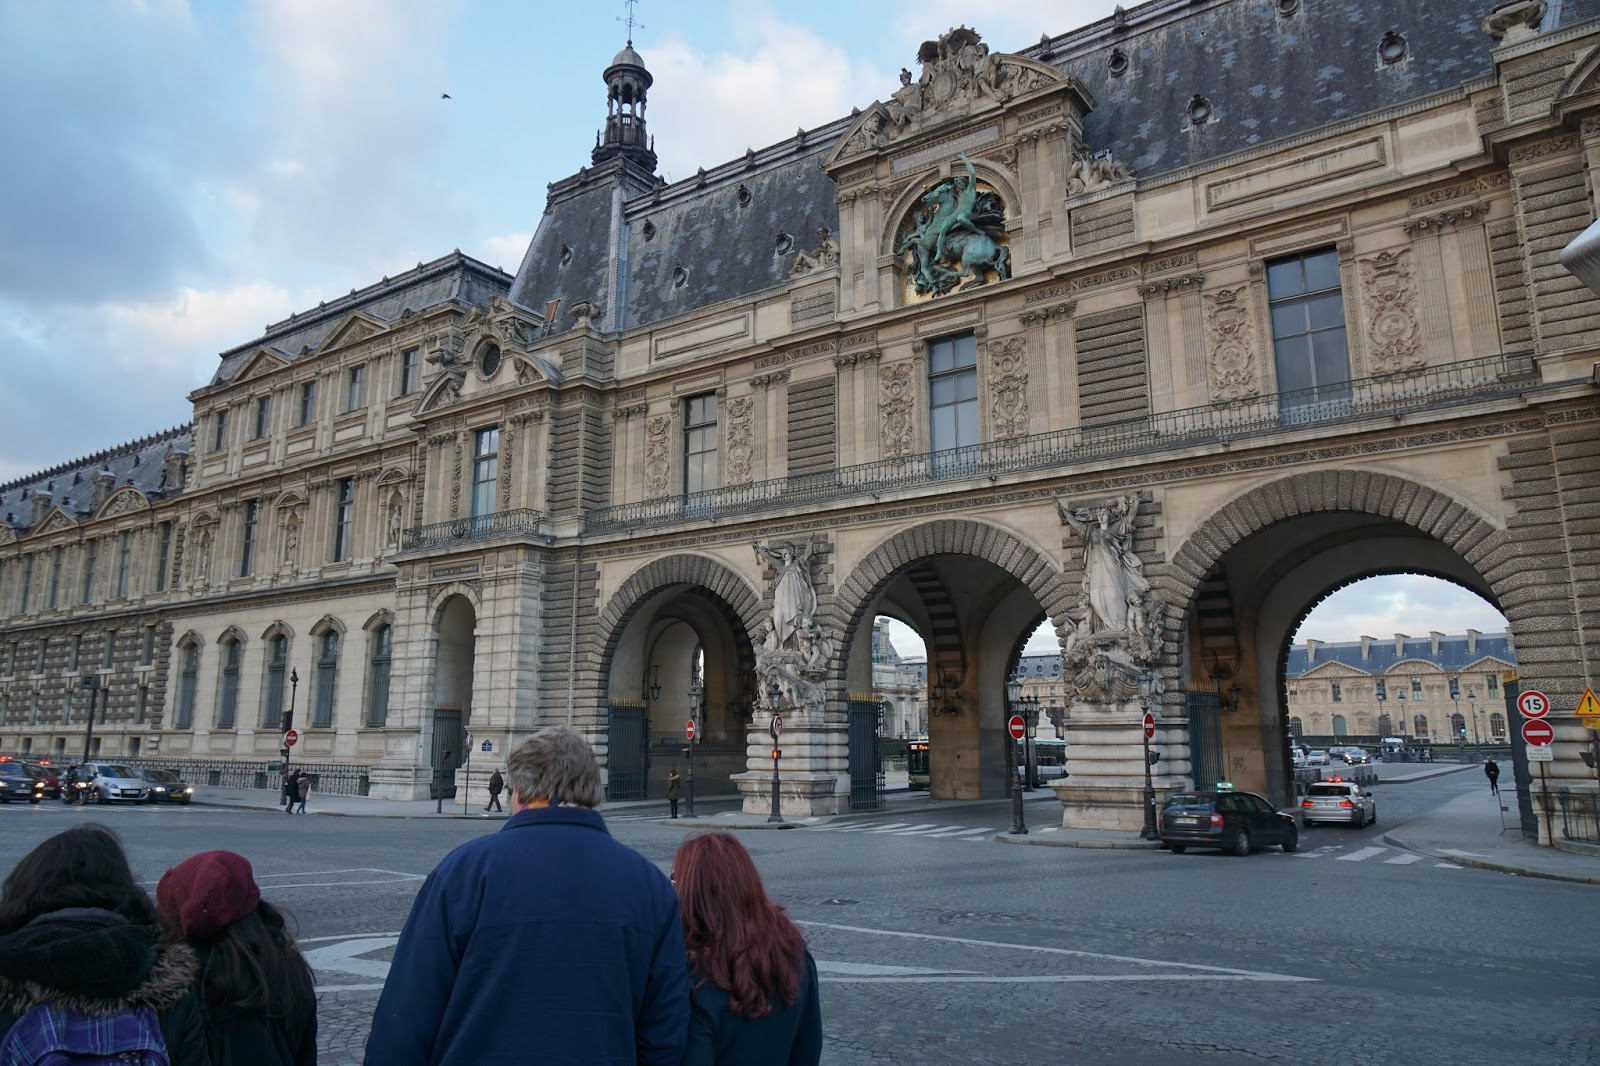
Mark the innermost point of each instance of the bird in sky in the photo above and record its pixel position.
(444, 96)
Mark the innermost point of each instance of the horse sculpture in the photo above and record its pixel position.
(959, 238)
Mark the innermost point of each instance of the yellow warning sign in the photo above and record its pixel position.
(1589, 707)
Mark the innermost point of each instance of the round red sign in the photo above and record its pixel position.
(290, 738)
(688, 730)
(1149, 725)
(1017, 726)
(1533, 704)
(1538, 732)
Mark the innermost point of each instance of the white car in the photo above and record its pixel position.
(113, 783)
(1338, 801)
(1317, 758)
(1297, 756)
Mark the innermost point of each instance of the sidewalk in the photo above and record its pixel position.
(1466, 831)
(367, 807)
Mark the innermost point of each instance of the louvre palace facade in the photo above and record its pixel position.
(1161, 329)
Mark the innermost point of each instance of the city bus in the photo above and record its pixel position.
(917, 764)
(1051, 756)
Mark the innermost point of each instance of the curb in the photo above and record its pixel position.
(711, 822)
(1068, 842)
(1492, 867)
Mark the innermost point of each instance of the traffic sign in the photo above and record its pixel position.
(1538, 733)
(1588, 707)
(688, 730)
(488, 745)
(1149, 725)
(291, 738)
(1017, 727)
(1535, 704)
(777, 726)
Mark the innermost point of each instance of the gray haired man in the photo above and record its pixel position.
(548, 934)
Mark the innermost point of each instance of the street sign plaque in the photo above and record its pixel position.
(1017, 727)
(1533, 704)
(1149, 726)
(1542, 754)
(291, 738)
(1538, 733)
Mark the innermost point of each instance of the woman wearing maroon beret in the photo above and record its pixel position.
(257, 991)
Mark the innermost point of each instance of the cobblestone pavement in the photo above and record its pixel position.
(936, 947)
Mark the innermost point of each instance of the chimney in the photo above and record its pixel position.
(175, 472)
(1472, 641)
(1433, 641)
(1400, 645)
(103, 481)
(1311, 650)
(41, 502)
(1366, 648)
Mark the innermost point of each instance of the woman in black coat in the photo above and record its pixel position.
(77, 932)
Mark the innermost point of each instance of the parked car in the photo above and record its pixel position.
(165, 786)
(1297, 756)
(1318, 757)
(48, 775)
(1236, 822)
(1338, 801)
(16, 783)
(112, 782)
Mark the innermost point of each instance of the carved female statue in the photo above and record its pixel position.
(794, 601)
(1113, 575)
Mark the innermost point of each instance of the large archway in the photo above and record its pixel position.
(455, 654)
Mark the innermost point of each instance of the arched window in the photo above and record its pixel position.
(1419, 726)
(277, 667)
(1296, 728)
(187, 680)
(1497, 726)
(1339, 727)
(378, 676)
(327, 673)
(1458, 726)
(228, 694)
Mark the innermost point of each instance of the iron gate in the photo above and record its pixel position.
(1205, 738)
(866, 773)
(627, 753)
(447, 755)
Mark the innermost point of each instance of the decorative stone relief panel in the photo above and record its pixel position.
(657, 456)
(897, 389)
(1008, 386)
(1230, 338)
(1389, 293)
(741, 440)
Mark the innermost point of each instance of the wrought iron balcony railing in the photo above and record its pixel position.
(478, 527)
(1351, 401)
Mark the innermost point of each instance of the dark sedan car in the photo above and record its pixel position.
(16, 783)
(167, 787)
(1236, 822)
(48, 776)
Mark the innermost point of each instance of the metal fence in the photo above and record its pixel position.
(1580, 816)
(1363, 398)
(519, 520)
(338, 779)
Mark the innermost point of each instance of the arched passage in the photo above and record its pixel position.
(455, 648)
(974, 592)
(677, 631)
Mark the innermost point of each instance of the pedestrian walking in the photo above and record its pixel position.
(257, 994)
(754, 998)
(302, 790)
(291, 790)
(1491, 770)
(83, 976)
(674, 781)
(496, 783)
(548, 931)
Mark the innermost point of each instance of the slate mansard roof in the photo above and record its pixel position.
(1268, 76)
(140, 463)
(1454, 654)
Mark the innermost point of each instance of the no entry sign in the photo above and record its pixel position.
(290, 739)
(688, 730)
(1149, 725)
(1017, 726)
(1533, 704)
(1538, 732)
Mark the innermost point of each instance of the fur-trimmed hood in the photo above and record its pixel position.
(93, 962)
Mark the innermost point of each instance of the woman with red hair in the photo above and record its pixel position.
(755, 984)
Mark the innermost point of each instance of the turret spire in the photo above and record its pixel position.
(627, 84)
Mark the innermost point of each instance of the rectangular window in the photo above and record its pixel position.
(247, 553)
(187, 681)
(485, 470)
(219, 430)
(1338, 693)
(66, 707)
(110, 655)
(308, 404)
(700, 443)
(124, 556)
(344, 511)
(378, 681)
(1491, 684)
(1383, 691)
(11, 658)
(327, 674)
(55, 577)
(163, 556)
(1416, 688)
(353, 387)
(147, 653)
(1308, 332)
(272, 699)
(33, 710)
(74, 654)
(141, 705)
(44, 650)
(27, 582)
(263, 416)
(228, 697)
(953, 393)
(409, 360)
(1455, 688)
(91, 555)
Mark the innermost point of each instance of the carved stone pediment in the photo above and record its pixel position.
(53, 522)
(357, 327)
(263, 362)
(123, 501)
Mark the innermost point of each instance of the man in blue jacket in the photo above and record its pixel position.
(547, 942)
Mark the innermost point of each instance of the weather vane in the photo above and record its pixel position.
(631, 23)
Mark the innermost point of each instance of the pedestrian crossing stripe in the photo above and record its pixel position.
(930, 830)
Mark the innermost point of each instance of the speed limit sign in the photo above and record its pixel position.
(1533, 704)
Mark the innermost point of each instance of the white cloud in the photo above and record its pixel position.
(504, 251)
(190, 328)
(1409, 603)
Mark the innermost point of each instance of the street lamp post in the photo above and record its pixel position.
(1030, 757)
(287, 723)
(696, 693)
(773, 692)
(1149, 830)
(92, 683)
(1013, 700)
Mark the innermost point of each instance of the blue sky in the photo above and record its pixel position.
(182, 173)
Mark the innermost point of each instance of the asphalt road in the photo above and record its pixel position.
(938, 945)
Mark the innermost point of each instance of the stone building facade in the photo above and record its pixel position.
(1098, 332)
